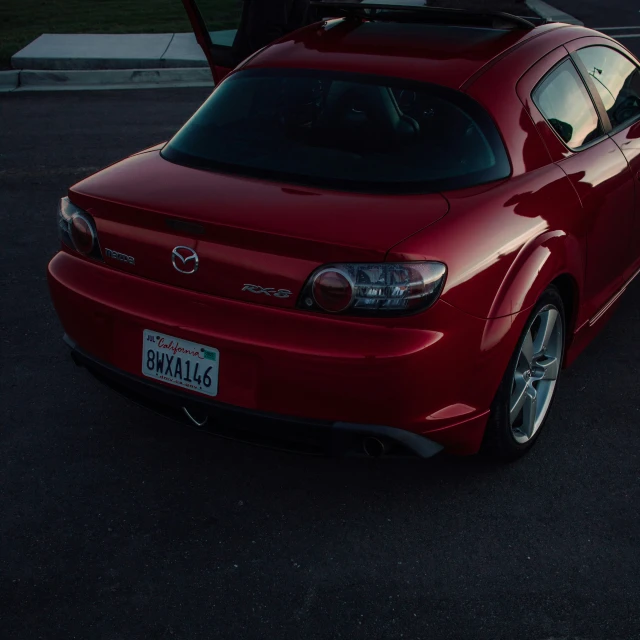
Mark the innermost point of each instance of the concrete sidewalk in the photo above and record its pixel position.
(81, 52)
(111, 61)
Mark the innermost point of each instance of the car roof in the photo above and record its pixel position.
(443, 54)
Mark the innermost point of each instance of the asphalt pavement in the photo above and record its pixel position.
(118, 524)
(599, 13)
(617, 18)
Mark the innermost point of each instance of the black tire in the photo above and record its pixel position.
(499, 443)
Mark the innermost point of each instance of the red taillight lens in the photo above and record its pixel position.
(77, 229)
(374, 288)
(82, 235)
(332, 290)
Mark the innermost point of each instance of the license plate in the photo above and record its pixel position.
(179, 362)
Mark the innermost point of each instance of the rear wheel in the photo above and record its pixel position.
(522, 404)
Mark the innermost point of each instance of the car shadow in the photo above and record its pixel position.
(204, 459)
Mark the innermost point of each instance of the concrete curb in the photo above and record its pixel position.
(552, 14)
(41, 80)
(9, 80)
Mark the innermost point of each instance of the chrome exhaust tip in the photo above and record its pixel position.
(195, 421)
(374, 447)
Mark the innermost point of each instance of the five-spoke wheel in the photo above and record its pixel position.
(536, 374)
(524, 398)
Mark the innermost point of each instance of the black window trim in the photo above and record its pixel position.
(544, 78)
(593, 90)
(591, 86)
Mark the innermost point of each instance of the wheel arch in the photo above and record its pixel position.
(554, 257)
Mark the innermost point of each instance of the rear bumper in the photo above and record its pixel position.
(435, 381)
(283, 432)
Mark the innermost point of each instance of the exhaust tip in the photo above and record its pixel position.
(374, 447)
(197, 421)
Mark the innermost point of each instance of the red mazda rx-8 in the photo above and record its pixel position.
(386, 232)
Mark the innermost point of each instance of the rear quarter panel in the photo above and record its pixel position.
(503, 245)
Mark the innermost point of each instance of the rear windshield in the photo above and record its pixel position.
(342, 131)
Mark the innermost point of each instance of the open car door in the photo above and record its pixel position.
(219, 54)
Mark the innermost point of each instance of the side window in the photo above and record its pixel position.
(617, 80)
(564, 101)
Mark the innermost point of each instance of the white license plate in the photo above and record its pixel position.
(179, 362)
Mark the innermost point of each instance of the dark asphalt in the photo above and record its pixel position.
(608, 14)
(601, 13)
(117, 524)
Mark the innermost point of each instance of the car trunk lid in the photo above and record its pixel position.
(253, 238)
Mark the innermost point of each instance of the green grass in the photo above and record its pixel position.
(22, 21)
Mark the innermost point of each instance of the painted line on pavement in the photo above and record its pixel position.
(617, 28)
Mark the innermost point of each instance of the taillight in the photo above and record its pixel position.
(82, 234)
(332, 290)
(374, 289)
(77, 229)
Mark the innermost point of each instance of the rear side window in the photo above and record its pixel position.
(342, 131)
(564, 101)
(617, 80)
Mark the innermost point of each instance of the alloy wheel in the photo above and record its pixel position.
(536, 374)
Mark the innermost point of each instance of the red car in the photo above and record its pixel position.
(384, 233)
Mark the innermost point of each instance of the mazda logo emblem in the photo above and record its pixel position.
(184, 259)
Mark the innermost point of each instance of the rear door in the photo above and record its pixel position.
(615, 79)
(217, 47)
(576, 135)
